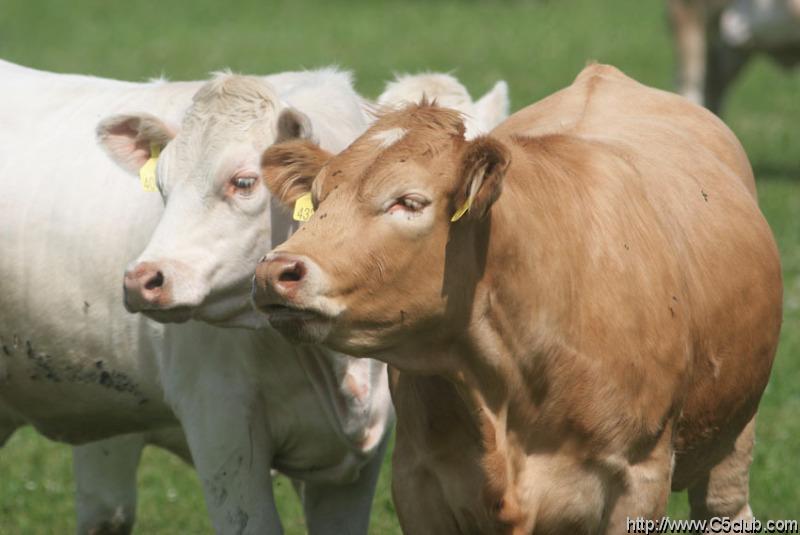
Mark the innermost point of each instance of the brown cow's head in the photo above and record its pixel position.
(397, 242)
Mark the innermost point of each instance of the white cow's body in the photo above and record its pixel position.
(78, 367)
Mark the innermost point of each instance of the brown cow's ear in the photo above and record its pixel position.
(130, 139)
(289, 168)
(483, 166)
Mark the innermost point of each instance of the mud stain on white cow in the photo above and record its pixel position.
(4, 346)
(46, 368)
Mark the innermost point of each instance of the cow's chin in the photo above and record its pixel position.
(244, 319)
(229, 309)
(169, 315)
(298, 325)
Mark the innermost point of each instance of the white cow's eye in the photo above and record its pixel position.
(410, 204)
(243, 183)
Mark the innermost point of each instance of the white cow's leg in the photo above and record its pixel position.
(232, 454)
(297, 485)
(724, 491)
(105, 480)
(344, 509)
(171, 439)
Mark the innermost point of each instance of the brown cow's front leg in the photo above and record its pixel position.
(646, 492)
(420, 504)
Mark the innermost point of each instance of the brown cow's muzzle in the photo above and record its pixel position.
(286, 289)
(277, 280)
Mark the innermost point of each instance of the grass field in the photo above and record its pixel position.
(537, 47)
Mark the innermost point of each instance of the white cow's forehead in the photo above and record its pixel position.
(230, 104)
(234, 95)
(227, 110)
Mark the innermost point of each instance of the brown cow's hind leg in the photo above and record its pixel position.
(724, 491)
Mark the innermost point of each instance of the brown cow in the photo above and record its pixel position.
(582, 308)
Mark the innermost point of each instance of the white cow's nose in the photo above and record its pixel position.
(145, 288)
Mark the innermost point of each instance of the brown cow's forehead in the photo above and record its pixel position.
(417, 134)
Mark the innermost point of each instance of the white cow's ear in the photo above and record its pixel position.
(130, 139)
(481, 171)
(294, 124)
(492, 108)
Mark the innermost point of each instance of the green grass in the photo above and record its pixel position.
(537, 47)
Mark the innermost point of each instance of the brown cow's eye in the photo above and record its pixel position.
(409, 203)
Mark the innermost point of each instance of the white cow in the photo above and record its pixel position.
(480, 116)
(714, 39)
(79, 368)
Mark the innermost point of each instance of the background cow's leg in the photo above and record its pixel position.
(724, 491)
(343, 509)
(105, 481)
(231, 452)
(648, 486)
(723, 64)
(688, 20)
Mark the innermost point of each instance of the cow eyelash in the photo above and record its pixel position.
(243, 183)
(409, 203)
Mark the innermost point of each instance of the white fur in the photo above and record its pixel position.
(762, 24)
(479, 117)
(246, 400)
(387, 138)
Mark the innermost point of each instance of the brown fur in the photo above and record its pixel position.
(289, 168)
(619, 302)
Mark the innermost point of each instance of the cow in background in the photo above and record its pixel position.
(714, 39)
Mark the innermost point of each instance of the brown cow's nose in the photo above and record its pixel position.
(144, 287)
(280, 275)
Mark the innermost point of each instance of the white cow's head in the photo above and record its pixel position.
(480, 116)
(216, 223)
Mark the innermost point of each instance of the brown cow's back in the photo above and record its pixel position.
(604, 104)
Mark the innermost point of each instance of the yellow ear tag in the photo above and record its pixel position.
(463, 210)
(147, 172)
(303, 208)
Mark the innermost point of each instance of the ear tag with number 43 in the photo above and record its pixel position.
(147, 172)
(303, 208)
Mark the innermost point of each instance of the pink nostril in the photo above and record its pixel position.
(154, 282)
(145, 288)
(293, 272)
